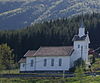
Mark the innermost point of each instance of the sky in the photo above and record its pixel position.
(12, 0)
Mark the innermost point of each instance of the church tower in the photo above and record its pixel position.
(81, 30)
(81, 44)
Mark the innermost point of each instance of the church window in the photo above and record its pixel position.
(52, 62)
(23, 65)
(60, 62)
(78, 46)
(45, 62)
(32, 63)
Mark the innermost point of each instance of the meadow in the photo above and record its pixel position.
(88, 79)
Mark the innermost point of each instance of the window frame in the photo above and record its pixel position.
(23, 65)
(78, 46)
(52, 62)
(60, 62)
(32, 62)
(45, 62)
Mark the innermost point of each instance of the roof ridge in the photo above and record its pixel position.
(55, 46)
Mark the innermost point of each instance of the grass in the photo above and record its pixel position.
(14, 71)
(87, 79)
(96, 64)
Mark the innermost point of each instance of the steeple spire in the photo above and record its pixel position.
(81, 29)
(82, 24)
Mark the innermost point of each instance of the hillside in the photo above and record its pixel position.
(53, 33)
(17, 14)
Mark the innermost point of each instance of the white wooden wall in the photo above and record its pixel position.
(39, 63)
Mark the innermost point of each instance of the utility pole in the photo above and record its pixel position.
(81, 64)
(81, 55)
(63, 74)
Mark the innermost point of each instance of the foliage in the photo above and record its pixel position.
(6, 56)
(79, 73)
(53, 33)
(96, 65)
(79, 62)
(93, 59)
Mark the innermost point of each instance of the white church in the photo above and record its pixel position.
(60, 58)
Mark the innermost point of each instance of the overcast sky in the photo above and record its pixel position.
(17, 0)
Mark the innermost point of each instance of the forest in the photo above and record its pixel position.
(51, 33)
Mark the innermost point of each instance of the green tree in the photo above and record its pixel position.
(51, 33)
(79, 62)
(1, 65)
(79, 70)
(6, 57)
(79, 74)
(93, 59)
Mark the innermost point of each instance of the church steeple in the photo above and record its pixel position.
(81, 30)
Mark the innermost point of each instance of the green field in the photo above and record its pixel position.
(88, 79)
(15, 71)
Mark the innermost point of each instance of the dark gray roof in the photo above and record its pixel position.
(54, 51)
(77, 38)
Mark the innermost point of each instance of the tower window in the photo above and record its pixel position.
(45, 62)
